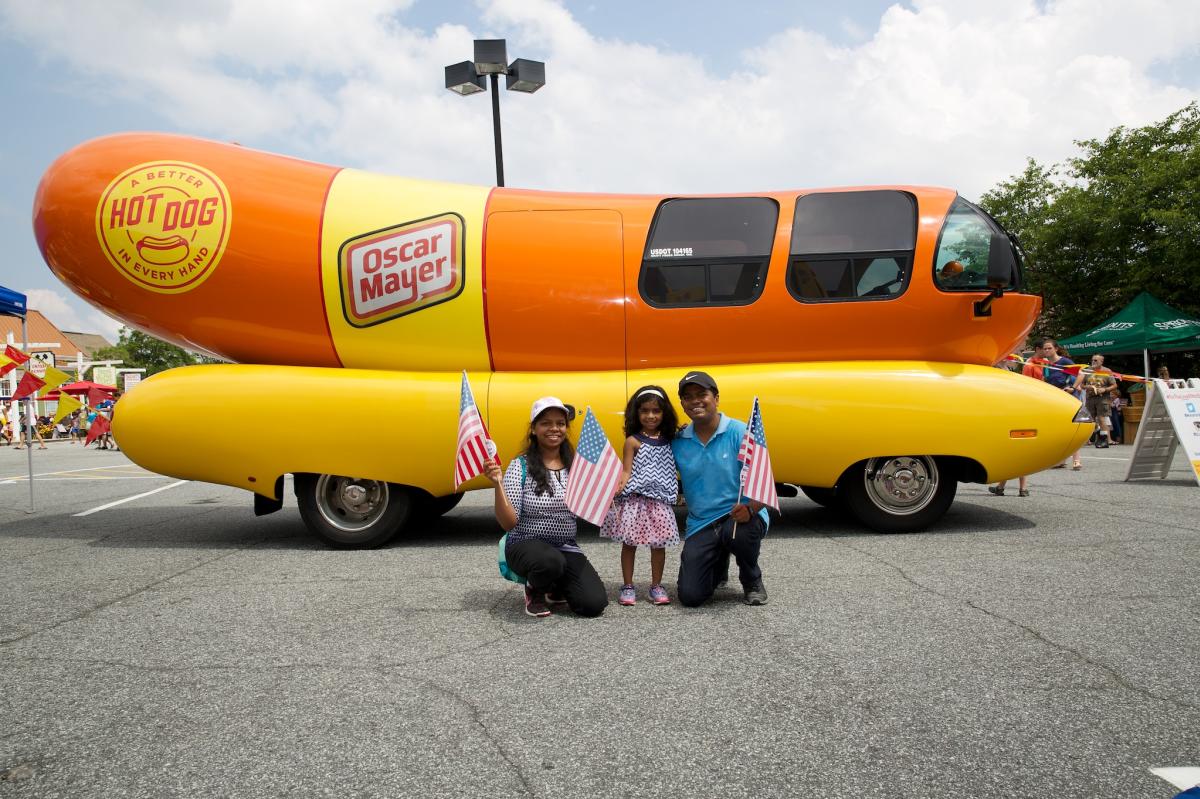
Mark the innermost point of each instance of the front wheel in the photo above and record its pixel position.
(350, 512)
(899, 493)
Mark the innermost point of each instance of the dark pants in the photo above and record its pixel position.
(704, 551)
(546, 568)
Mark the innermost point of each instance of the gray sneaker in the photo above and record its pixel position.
(756, 594)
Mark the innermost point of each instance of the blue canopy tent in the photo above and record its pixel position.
(13, 303)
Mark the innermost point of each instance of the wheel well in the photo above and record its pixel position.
(964, 470)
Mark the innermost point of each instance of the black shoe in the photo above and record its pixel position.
(535, 603)
(756, 594)
(1102, 444)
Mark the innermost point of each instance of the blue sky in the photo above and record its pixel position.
(666, 96)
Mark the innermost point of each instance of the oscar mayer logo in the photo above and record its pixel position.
(164, 225)
(401, 269)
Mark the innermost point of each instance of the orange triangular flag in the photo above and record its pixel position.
(29, 384)
(100, 426)
(97, 395)
(66, 405)
(54, 378)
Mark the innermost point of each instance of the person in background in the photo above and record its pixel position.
(1058, 377)
(28, 429)
(1099, 386)
(1035, 368)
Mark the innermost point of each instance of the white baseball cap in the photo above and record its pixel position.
(545, 403)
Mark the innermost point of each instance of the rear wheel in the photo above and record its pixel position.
(899, 493)
(351, 512)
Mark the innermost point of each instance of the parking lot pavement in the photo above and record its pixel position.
(175, 645)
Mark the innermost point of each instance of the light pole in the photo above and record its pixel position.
(467, 77)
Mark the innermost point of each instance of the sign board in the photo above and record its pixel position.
(105, 375)
(131, 380)
(1171, 420)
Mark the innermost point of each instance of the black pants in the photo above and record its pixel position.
(704, 551)
(546, 568)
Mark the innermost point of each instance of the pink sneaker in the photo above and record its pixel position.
(658, 595)
(627, 596)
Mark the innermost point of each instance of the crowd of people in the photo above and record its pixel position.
(1097, 389)
(15, 429)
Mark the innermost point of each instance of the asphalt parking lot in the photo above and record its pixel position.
(174, 645)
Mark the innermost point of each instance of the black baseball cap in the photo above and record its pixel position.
(702, 379)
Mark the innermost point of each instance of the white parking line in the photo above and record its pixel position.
(129, 499)
(73, 471)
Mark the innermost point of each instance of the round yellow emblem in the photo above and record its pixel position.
(164, 224)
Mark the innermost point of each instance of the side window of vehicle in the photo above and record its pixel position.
(961, 262)
(852, 245)
(708, 251)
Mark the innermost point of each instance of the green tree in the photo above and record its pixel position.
(141, 350)
(1120, 218)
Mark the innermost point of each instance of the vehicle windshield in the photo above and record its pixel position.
(961, 263)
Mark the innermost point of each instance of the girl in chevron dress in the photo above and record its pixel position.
(643, 512)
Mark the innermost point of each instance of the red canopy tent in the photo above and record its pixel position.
(80, 387)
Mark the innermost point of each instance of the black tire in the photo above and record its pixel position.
(350, 512)
(825, 497)
(899, 493)
(429, 507)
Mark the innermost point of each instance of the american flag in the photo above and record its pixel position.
(758, 481)
(472, 453)
(594, 474)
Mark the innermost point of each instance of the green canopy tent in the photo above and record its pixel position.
(1141, 326)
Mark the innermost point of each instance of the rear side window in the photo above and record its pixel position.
(708, 251)
(853, 245)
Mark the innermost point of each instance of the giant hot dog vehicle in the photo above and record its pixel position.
(866, 319)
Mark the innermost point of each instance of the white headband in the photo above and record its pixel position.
(646, 391)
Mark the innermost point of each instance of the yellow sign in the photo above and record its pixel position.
(164, 225)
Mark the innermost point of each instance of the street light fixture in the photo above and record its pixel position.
(468, 77)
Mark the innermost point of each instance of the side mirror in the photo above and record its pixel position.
(1001, 263)
(1001, 266)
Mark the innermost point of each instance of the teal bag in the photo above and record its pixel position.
(502, 561)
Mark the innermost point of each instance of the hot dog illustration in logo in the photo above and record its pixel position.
(164, 224)
(401, 269)
(163, 251)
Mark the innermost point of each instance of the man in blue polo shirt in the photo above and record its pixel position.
(718, 523)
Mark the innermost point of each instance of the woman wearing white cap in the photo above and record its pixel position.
(531, 506)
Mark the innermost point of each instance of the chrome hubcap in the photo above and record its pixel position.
(902, 484)
(351, 504)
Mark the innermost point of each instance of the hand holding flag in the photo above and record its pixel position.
(758, 481)
(595, 473)
(475, 450)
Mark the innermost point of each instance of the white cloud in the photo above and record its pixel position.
(953, 93)
(69, 313)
